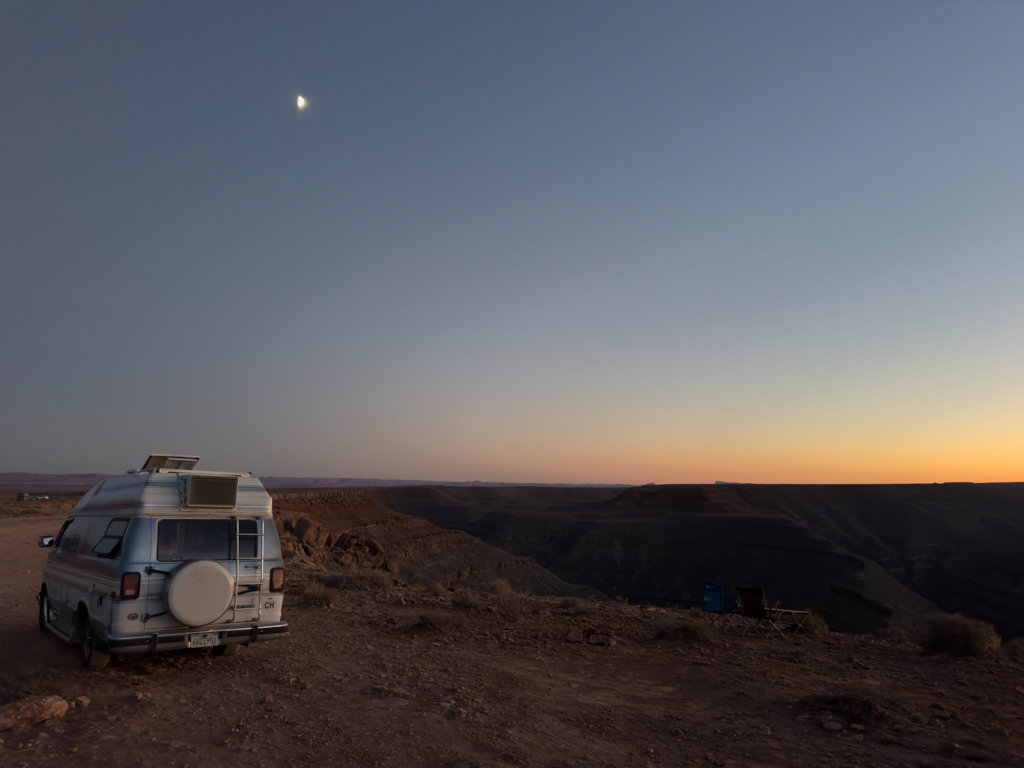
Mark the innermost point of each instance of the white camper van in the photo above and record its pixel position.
(165, 557)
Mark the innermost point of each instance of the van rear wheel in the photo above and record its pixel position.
(42, 611)
(91, 658)
(227, 650)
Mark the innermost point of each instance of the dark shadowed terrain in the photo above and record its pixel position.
(361, 681)
(863, 556)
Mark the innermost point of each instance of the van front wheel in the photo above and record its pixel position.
(91, 658)
(42, 611)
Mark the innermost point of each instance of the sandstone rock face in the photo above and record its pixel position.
(368, 534)
(31, 711)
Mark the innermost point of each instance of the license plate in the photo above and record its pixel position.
(205, 640)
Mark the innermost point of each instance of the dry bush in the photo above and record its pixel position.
(439, 589)
(368, 579)
(319, 595)
(15, 688)
(957, 635)
(440, 621)
(864, 704)
(510, 606)
(893, 634)
(467, 601)
(815, 626)
(1015, 649)
(576, 607)
(502, 587)
(622, 599)
(683, 628)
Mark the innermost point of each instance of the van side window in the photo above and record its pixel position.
(60, 536)
(71, 539)
(110, 544)
(193, 539)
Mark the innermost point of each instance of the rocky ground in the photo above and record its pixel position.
(536, 682)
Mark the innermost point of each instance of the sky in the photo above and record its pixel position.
(581, 242)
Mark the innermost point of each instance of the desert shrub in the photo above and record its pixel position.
(622, 599)
(576, 607)
(14, 688)
(318, 594)
(502, 587)
(440, 621)
(510, 606)
(367, 579)
(467, 601)
(1015, 649)
(439, 588)
(861, 703)
(957, 635)
(682, 628)
(893, 634)
(815, 626)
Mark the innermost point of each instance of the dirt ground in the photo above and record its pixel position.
(356, 684)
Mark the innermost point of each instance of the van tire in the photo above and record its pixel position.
(92, 658)
(231, 649)
(43, 601)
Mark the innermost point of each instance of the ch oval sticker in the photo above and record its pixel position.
(132, 616)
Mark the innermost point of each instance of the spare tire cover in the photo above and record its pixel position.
(199, 592)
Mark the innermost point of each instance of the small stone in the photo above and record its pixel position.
(268, 699)
(573, 636)
(831, 725)
(857, 726)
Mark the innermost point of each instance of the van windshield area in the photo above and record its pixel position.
(204, 540)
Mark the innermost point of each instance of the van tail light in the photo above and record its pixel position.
(130, 586)
(277, 579)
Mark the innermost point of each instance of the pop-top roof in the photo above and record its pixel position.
(169, 461)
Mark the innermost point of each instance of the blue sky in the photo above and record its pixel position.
(579, 242)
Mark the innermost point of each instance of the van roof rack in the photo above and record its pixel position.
(157, 461)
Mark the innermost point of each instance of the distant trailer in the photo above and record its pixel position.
(24, 497)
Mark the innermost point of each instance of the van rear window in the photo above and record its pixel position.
(204, 540)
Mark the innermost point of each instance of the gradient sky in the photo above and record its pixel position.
(549, 242)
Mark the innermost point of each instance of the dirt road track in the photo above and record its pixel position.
(23, 648)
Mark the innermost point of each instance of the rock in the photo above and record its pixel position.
(310, 533)
(279, 524)
(83, 701)
(374, 548)
(573, 636)
(30, 711)
(599, 639)
(856, 726)
(831, 725)
(391, 566)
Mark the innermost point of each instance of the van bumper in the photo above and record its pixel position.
(176, 639)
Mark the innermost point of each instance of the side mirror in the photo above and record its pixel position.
(46, 541)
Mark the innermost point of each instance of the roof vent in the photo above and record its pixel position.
(169, 461)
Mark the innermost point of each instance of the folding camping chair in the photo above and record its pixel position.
(715, 612)
(754, 605)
